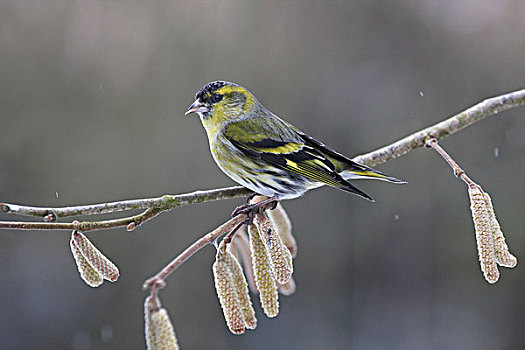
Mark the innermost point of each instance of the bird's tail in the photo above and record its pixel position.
(363, 172)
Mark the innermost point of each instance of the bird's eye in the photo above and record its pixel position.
(215, 98)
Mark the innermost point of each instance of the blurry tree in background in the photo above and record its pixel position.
(92, 96)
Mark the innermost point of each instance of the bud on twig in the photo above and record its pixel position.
(131, 226)
(263, 274)
(482, 225)
(51, 217)
(92, 264)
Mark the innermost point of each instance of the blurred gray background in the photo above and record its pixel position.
(92, 97)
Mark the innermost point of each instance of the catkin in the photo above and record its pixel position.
(282, 224)
(501, 250)
(240, 248)
(94, 257)
(164, 333)
(264, 279)
(159, 331)
(280, 256)
(149, 331)
(484, 240)
(87, 273)
(231, 308)
(241, 290)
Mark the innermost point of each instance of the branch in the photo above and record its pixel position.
(163, 203)
(458, 172)
(490, 106)
(231, 226)
(130, 222)
(438, 131)
(158, 280)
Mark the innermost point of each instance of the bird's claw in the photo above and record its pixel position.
(248, 209)
(251, 209)
(272, 205)
(250, 197)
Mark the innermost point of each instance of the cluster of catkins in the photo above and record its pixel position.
(492, 249)
(266, 252)
(92, 265)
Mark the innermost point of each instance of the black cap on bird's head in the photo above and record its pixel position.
(232, 98)
(208, 89)
(205, 98)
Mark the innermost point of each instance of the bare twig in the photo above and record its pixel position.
(231, 226)
(447, 127)
(458, 172)
(84, 226)
(163, 203)
(158, 280)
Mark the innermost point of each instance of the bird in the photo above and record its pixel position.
(268, 155)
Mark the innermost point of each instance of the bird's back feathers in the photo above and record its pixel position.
(281, 145)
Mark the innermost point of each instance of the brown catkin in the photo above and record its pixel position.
(87, 273)
(241, 290)
(228, 299)
(95, 258)
(165, 338)
(149, 331)
(484, 240)
(282, 224)
(264, 279)
(501, 250)
(280, 256)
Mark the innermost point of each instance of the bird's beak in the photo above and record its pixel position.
(197, 107)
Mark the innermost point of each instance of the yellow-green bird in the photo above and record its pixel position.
(264, 153)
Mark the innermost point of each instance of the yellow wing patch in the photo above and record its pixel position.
(290, 147)
(368, 174)
(291, 164)
(321, 164)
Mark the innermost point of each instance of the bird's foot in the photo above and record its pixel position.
(251, 209)
(251, 196)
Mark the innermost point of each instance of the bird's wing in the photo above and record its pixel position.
(279, 145)
(344, 163)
